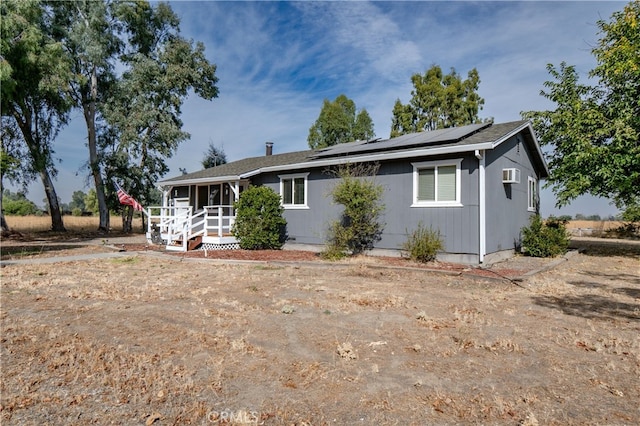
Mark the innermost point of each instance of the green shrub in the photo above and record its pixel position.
(77, 211)
(632, 213)
(423, 244)
(545, 239)
(359, 226)
(259, 222)
(18, 207)
(627, 231)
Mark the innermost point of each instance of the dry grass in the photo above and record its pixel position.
(152, 340)
(602, 225)
(81, 224)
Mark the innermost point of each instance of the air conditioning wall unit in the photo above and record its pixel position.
(511, 175)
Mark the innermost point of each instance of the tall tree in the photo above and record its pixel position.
(438, 101)
(133, 119)
(213, 157)
(88, 31)
(338, 123)
(594, 132)
(143, 112)
(33, 86)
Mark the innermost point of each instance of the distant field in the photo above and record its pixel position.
(594, 224)
(82, 223)
(71, 223)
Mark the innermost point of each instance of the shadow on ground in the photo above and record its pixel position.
(592, 306)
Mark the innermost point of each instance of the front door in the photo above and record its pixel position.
(203, 197)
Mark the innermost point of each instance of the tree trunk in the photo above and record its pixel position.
(144, 225)
(52, 198)
(90, 118)
(5, 226)
(3, 222)
(40, 160)
(127, 219)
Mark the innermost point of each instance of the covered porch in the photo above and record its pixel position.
(199, 215)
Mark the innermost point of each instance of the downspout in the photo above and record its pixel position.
(482, 223)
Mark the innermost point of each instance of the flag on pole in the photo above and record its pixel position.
(127, 199)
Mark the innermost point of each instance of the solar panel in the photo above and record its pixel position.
(434, 137)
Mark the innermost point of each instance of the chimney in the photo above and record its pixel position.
(269, 148)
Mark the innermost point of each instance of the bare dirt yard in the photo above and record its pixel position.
(150, 338)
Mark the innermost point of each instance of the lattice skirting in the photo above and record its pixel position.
(214, 246)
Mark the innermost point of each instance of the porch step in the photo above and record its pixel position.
(192, 244)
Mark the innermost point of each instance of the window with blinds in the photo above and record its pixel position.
(437, 183)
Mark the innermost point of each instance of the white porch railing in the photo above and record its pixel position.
(172, 224)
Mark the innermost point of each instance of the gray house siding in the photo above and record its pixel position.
(307, 226)
(458, 225)
(507, 209)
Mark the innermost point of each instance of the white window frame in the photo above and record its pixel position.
(532, 193)
(434, 165)
(292, 177)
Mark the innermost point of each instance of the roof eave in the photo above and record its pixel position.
(376, 157)
(182, 182)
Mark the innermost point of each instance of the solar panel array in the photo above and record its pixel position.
(412, 140)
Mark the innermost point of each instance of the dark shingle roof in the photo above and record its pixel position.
(246, 165)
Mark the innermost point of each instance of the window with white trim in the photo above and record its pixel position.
(436, 184)
(532, 194)
(293, 191)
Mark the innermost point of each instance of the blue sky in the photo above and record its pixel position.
(278, 61)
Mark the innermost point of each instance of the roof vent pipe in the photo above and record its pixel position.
(269, 148)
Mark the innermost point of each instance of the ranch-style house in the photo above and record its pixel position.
(477, 184)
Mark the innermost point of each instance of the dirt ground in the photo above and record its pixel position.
(149, 338)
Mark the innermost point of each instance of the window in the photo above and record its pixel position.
(293, 190)
(436, 184)
(532, 194)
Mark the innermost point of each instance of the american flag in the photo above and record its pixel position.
(127, 199)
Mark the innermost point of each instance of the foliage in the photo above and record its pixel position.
(565, 217)
(76, 211)
(339, 123)
(33, 88)
(423, 244)
(629, 230)
(91, 201)
(593, 133)
(17, 204)
(438, 101)
(77, 200)
(213, 157)
(259, 222)
(133, 117)
(12, 153)
(545, 238)
(631, 213)
(359, 226)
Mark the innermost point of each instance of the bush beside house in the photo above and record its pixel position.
(259, 222)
